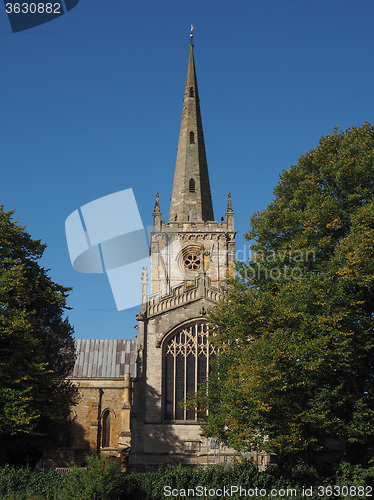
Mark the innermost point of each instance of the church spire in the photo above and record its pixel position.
(191, 199)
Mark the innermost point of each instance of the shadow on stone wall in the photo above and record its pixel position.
(73, 448)
(79, 439)
(154, 441)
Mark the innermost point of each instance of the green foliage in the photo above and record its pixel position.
(23, 484)
(354, 474)
(295, 328)
(292, 476)
(36, 348)
(101, 481)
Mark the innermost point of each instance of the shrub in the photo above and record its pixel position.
(102, 480)
(23, 484)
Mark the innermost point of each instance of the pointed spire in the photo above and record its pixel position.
(191, 199)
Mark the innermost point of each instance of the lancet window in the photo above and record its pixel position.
(187, 354)
(106, 429)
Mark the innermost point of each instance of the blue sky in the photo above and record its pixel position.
(91, 104)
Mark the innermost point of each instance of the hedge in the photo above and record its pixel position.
(103, 481)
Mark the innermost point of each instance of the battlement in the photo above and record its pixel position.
(182, 294)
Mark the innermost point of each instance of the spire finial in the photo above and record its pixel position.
(157, 204)
(191, 34)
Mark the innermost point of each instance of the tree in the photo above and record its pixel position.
(295, 327)
(36, 348)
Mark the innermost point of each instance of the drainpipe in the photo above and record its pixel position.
(98, 444)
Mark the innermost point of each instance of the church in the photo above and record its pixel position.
(132, 393)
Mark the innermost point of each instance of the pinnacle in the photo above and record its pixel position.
(157, 205)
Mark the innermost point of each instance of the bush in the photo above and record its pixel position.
(103, 481)
(354, 475)
(23, 484)
(150, 486)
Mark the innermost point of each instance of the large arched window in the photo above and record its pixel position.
(106, 429)
(186, 366)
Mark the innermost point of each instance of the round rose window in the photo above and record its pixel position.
(192, 262)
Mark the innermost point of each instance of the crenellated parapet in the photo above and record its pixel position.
(182, 295)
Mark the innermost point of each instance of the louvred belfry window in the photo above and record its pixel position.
(186, 366)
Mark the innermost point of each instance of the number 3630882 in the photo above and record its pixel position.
(33, 8)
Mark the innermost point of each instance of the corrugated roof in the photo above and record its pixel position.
(104, 358)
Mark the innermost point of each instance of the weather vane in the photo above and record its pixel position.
(191, 34)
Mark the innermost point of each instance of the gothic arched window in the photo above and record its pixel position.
(106, 429)
(186, 366)
(192, 92)
(192, 185)
(192, 137)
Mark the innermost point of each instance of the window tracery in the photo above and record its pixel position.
(186, 366)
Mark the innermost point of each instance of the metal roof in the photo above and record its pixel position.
(104, 358)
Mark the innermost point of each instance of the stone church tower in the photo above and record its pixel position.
(191, 256)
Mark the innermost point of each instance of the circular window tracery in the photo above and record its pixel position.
(192, 262)
(189, 259)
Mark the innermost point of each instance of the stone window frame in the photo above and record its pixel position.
(188, 259)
